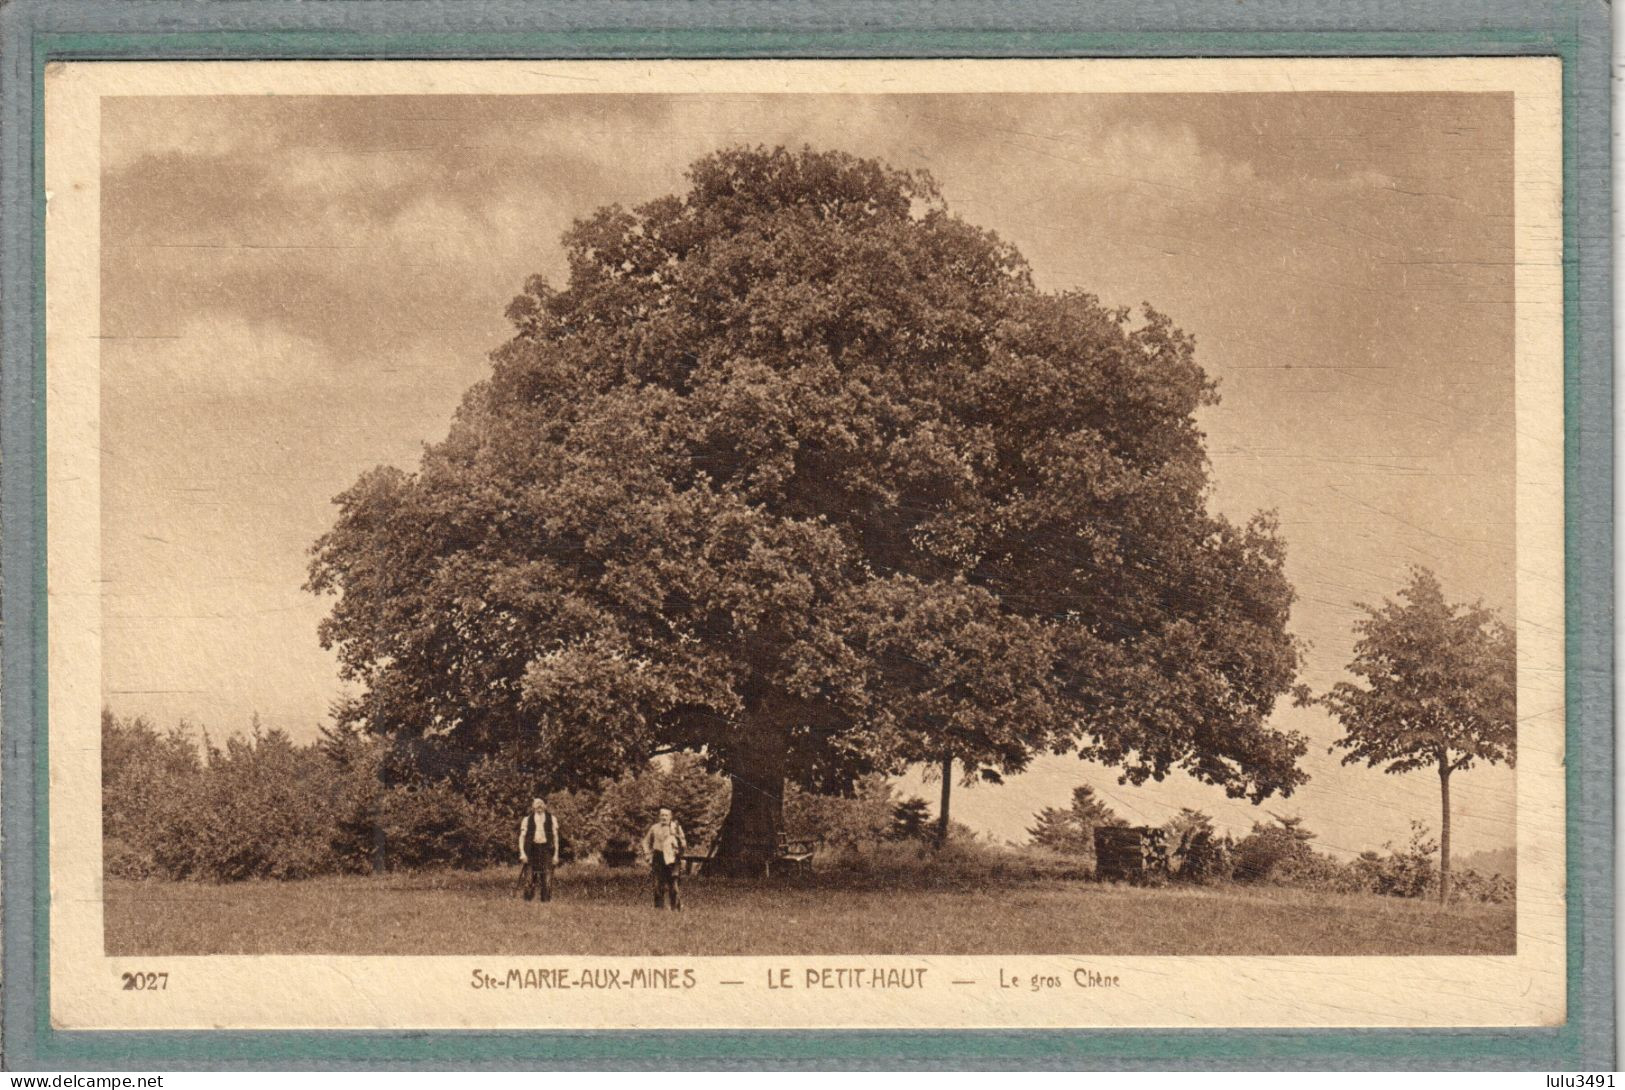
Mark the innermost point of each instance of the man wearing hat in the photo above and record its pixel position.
(539, 849)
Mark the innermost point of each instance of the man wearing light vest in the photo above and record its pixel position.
(539, 849)
(664, 843)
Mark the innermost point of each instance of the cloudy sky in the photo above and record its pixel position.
(297, 289)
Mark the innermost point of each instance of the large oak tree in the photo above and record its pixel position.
(801, 471)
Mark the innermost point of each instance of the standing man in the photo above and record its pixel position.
(539, 849)
(665, 843)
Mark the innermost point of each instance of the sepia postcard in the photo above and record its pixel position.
(805, 544)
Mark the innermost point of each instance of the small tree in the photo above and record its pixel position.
(908, 819)
(1440, 690)
(1055, 829)
(1072, 831)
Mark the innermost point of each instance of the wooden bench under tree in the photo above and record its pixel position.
(694, 860)
(793, 855)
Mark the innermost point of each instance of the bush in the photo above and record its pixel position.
(1407, 872)
(498, 793)
(1194, 850)
(432, 826)
(698, 799)
(264, 808)
(147, 782)
(1412, 872)
(1472, 885)
(1208, 859)
(1271, 853)
(1282, 855)
(1322, 872)
(382, 826)
(258, 807)
(585, 829)
(840, 822)
(123, 859)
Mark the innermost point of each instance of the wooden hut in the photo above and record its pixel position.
(1130, 853)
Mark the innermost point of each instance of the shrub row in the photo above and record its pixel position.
(175, 805)
(1188, 849)
(1280, 854)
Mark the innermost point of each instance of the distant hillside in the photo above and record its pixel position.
(1500, 861)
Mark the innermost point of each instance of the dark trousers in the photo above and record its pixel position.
(666, 880)
(539, 881)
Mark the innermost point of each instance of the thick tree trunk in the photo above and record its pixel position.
(947, 790)
(1444, 833)
(750, 833)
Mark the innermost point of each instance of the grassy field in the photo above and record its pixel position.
(605, 912)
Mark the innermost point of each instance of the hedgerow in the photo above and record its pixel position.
(176, 805)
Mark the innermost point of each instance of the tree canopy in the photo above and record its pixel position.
(1440, 684)
(799, 470)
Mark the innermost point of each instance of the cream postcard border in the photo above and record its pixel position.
(312, 992)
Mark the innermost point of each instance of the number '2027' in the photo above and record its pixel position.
(145, 982)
